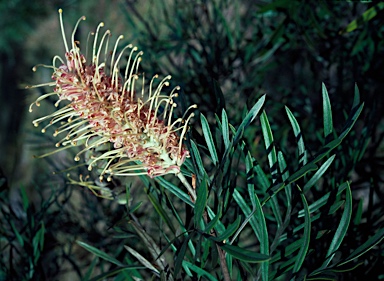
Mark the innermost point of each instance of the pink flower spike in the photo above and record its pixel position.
(103, 109)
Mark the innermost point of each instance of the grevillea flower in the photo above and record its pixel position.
(103, 106)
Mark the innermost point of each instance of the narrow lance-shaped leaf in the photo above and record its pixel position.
(249, 118)
(356, 97)
(311, 166)
(259, 215)
(298, 136)
(199, 162)
(142, 260)
(285, 175)
(306, 236)
(200, 272)
(369, 244)
(201, 202)
(243, 254)
(224, 120)
(181, 254)
(319, 173)
(365, 17)
(327, 112)
(99, 253)
(230, 230)
(208, 139)
(323, 200)
(342, 228)
(175, 190)
(272, 159)
(161, 212)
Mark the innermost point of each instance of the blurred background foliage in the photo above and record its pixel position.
(224, 55)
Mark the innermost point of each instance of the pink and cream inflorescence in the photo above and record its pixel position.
(104, 107)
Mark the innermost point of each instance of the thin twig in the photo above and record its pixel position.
(184, 181)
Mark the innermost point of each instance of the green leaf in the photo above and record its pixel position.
(180, 254)
(319, 173)
(359, 212)
(258, 214)
(141, 259)
(311, 166)
(225, 132)
(230, 230)
(201, 202)
(341, 229)
(249, 118)
(24, 198)
(356, 98)
(272, 159)
(365, 17)
(38, 240)
(285, 175)
(323, 200)
(113, 272)
(243, 254)
(306, 236)
(175, 190)
(161, 212)
(327, 112)
(213, 222)
(362, 249)
(90, 269)
(18, 235)
(298, 136)
(248, 213)
(288, 250)
(208, 139)
(99, 253)
(200, 272)
(199, 162)
(218, 224)
(269, 145)
(150, 244)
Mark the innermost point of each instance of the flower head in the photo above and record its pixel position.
(104, 107)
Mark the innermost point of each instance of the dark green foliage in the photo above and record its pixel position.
(287, 169)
